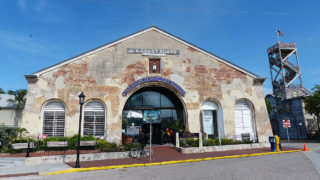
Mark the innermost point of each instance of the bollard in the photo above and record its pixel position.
(28, 149)
(177, 140)
(200, 140)
(277, 143)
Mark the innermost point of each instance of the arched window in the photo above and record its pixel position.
(54, 118)
(94, 119)
(244, 120)
(209, 118)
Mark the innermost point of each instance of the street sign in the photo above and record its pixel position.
(286, 123)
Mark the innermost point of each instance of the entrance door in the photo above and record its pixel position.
(243, 120)
(159, 105)
(152, 116)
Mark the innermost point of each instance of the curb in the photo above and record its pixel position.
(163, 163)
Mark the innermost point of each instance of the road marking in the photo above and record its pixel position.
(163, 163)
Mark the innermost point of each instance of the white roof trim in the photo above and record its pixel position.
(137, 34)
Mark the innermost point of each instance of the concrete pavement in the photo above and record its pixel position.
(46, 168)
(20, 168)
(313, 156)
(286, 166)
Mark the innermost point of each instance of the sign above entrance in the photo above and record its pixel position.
(153, 79)
(153, 52)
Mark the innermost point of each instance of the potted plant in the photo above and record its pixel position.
(179, 127)
(22, 141)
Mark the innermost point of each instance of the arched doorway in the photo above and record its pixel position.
(244, 123)
(159, 105)
(211, 119)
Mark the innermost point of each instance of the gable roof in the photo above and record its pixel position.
(36, 74)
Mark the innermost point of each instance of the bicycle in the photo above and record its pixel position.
(143, 152)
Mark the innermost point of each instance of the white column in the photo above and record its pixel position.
(200, 140)
(177, 140)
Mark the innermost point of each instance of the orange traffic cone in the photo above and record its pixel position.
(305, 147)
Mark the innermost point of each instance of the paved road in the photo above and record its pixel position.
(313, 156)
(298, 165)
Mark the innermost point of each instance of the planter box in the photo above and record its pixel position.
(222, 148)
(88, 143)
(72, 158)
(22, 145)
(52, 144)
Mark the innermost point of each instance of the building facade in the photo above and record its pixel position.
(303, 125)
(10, 114)
(150, 75)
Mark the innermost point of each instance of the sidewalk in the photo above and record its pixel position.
(168, 153)
(24, 170)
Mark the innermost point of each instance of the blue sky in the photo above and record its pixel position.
(237, 30)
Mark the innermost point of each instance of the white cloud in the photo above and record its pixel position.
(27, 44)
(22, 4)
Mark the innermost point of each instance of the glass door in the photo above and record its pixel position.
(152, 116)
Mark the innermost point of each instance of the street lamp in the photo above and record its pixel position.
(81, 102)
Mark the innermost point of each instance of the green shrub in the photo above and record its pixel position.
(40, 145)
(72, 141)
(128, 147)
(54, 138)
(87, 138)
(5, 149)
(22, 140)
(211, 142)
(192, 142)
(183, 142)
(247, 141)
(215, 142)
(106, 146)
(7, 134)
(189, 142)
(227, 141)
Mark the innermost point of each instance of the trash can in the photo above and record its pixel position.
(272, 141)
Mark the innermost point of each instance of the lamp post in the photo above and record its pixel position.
(81, 102)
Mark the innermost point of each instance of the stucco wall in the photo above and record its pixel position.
(10, 117)
(105, 74)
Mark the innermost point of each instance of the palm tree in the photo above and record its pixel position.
(19, 97)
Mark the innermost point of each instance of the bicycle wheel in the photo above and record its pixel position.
(147, 152)
(134, 152)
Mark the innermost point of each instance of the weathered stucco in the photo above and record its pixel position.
(105, 74)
